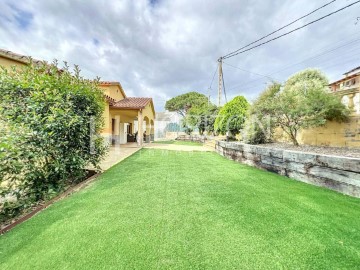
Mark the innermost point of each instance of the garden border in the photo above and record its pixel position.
(39, 208)
(338, 173)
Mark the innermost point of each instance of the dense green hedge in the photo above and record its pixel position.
(46, 118)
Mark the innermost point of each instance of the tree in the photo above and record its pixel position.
(203, 117)
(259, 125)
(183, 103)
(303, 102)
(232, 116)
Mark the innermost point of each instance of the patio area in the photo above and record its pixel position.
(118, 153)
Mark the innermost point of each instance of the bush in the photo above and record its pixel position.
(259, 125)
(258, 130)
(232, 116)
(47, 115)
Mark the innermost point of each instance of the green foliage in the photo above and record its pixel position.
(46, 114)
(232, 116)
(202, 117)
(258, 130)
(304, 102)
(183, 103)
(198, 113)
(188, 130)
(259, 125)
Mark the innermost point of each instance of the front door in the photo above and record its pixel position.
(123, 133)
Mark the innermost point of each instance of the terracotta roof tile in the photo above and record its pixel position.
(132, 103)
(110, 99)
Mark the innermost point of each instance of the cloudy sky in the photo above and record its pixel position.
(162, 48)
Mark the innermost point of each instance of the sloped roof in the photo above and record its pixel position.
(132, 103)
(110, 99)
(354, 69)
(18, 57)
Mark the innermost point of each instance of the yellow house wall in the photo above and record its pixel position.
(148, 112)
(8, 63)
(112, 91)
(107, 120)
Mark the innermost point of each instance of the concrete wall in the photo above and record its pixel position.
(337, 173)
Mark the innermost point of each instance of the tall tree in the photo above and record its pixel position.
(183, 103)
(202, 117)
(232, 116)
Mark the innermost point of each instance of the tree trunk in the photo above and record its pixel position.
(293, 138)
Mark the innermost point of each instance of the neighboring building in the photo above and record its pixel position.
(168, 125)
(349, 89)
(122, 114)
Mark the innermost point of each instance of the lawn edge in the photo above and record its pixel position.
(38, 209)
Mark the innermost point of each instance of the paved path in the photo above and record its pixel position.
(117, 154)
(176, 147)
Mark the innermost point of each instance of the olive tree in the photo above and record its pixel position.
(260, 125)
(303, 102)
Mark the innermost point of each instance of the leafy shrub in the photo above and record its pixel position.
(259, 125)
(232, 116)
(258, 130)
(46, 114)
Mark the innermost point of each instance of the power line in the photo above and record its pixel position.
(248, 71)
(296, 29)
(305, 60)
(316, 56)
(213, 77)
(260, 80)
(281, 28)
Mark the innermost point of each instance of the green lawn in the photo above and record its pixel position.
(180, 143)
(189, 210)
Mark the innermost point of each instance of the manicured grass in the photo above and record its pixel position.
(180, 143)
(191, 210)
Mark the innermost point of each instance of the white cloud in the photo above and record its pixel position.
(171, 47)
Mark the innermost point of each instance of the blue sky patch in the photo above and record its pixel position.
(96, 42)
(153, 2)
(23, 18)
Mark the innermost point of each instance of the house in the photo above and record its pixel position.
(348, 88)
(126, 118)
(123, 116)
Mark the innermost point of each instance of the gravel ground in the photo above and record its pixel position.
(334, 151)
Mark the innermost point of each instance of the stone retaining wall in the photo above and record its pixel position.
(337, 173)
